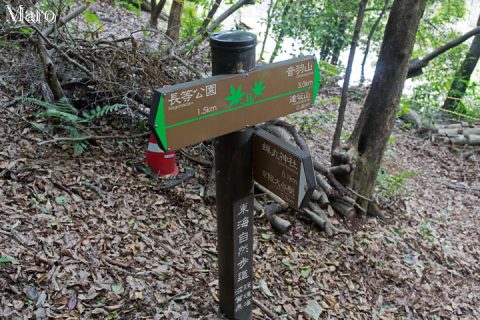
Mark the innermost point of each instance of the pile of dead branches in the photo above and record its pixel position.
(451, 132)
(90, 68)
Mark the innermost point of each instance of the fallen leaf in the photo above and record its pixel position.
(30, 292)
(313, 309)
(265, 289)
(72, 301)
(117, 288)
(266, 236)
(61, 200)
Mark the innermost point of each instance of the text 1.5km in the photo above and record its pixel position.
(206, 110)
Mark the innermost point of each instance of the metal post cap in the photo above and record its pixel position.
(233, 40)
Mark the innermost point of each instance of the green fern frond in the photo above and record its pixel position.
(62, 109)
(99, 112)
(61, 115)
(38, 102)
(64, 105)
(6, 260)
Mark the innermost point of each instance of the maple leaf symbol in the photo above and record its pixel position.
(258, 88)
(236, 95)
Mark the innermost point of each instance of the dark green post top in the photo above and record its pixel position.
(233, 52)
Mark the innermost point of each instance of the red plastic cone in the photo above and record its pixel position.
(161, 163)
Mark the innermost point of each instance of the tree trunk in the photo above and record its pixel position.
(369, 40)
(155, 13)
(279, 41)
(340, 40)
(173, 28)
(375, 124)
(462, 77)
(348, 72)
(324, 51)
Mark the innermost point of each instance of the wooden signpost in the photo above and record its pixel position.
(283, 169)
(200, 110)
(225, 107)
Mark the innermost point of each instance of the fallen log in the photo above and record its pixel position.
(331, 178)
(320, 220)
(278, 223)
(297, 137)
(473, 139)
(343, 207)
(341, 169)
(272, 196)
(471, 131)
(450, 131)
(328, 189)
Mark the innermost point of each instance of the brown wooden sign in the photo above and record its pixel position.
(243, 257)
(200, 110)
(283, 169)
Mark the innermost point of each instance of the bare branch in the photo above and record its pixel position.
(203, 29)
(49, 69)
(217, 22)
(64, 20)
(75, 63)
(416, 66)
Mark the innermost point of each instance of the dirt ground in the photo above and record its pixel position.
(91, 237)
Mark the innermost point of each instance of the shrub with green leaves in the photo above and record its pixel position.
(311, 123)
(191, 22)
(391, 186)
(134, 6)
(330, 73)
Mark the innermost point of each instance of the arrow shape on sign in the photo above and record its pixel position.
(159, 129)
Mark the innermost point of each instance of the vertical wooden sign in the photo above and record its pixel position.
(243, 257)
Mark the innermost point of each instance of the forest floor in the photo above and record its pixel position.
(94, 238)
(91, 237)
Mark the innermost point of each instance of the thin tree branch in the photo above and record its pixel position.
(75, 63)
(216, 23)
(369, 39)
(348, 71)
(226, 14)
(186, 65)
(63, 20)
(203, 29)
(271, 9)
(416, 66)
(281, 35)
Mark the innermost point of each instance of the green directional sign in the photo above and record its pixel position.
(200, 110)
